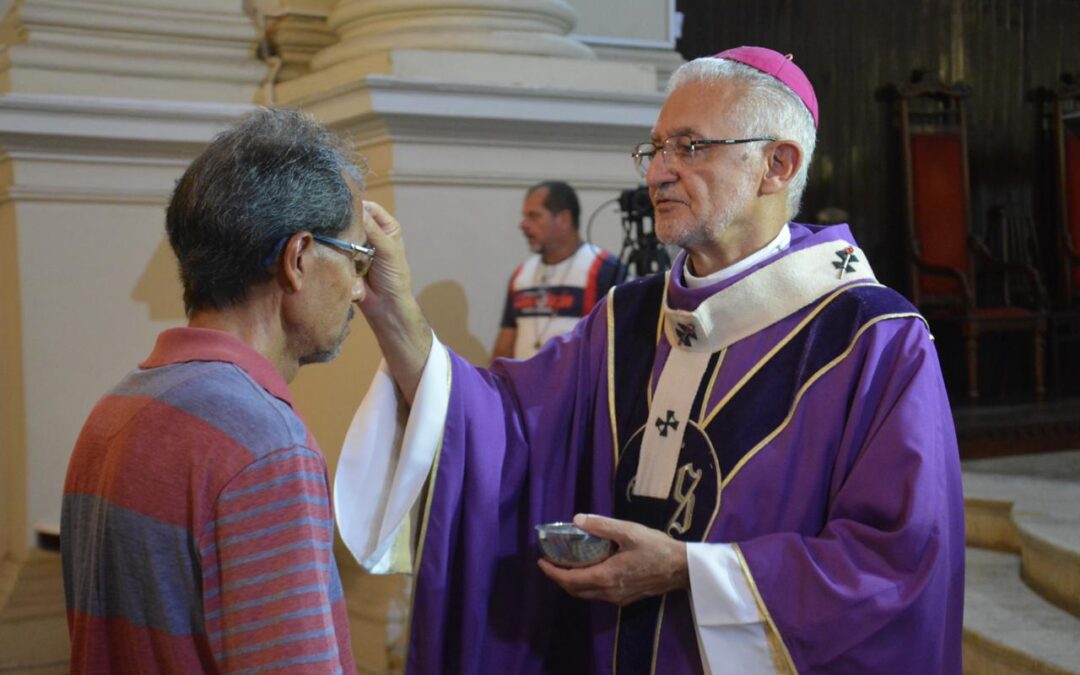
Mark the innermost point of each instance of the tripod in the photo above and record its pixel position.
(641, 252)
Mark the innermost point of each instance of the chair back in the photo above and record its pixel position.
(933, 130)
(1065, 124)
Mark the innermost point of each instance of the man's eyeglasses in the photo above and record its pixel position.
(680, 148)
(362, 254)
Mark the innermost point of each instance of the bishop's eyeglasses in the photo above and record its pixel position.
(681, 149)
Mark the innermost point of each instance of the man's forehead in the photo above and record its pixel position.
(535, 199)
(661, 134)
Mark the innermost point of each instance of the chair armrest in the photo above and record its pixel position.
(996, 264)
(948, 273)
(1074, 255)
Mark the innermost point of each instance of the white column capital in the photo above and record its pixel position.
(522, 27)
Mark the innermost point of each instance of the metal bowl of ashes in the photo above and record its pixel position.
(566, 545)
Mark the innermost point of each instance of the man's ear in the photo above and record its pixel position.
(295, 260)
(566, 221)
(784, 159)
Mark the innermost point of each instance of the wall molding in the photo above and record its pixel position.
(110, 127)
(52, 195)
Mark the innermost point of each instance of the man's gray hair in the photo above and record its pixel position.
(274, 173)
(769, 108)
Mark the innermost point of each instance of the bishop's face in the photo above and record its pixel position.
(696, 200)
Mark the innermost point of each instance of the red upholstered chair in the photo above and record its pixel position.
(1065, 141)
(943, 256)
(1065, 127)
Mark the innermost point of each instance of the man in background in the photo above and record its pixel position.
(554, 288)
(197, 531)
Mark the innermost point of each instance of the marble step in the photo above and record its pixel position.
(1008, 628)
(1030, 505)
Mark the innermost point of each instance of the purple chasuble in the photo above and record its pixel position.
(822, 446)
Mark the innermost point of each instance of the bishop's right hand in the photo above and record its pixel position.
(399, 325)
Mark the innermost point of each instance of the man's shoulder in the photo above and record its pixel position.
(218, 398)
(526, 269)
(866, 309)
(876, 301)
(594, 253)
(608, 259)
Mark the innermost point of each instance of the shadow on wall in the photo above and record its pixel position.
(159, 286)
(446, 307)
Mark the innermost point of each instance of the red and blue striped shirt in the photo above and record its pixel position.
(197, 529)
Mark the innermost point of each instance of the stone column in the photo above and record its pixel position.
(102, 105)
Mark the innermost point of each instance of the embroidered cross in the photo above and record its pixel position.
(670, 422)
(686, 333)
(847, 261)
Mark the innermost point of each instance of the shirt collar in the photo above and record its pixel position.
(679, 296)
(820, 261)
(183, 345)
(779, 243)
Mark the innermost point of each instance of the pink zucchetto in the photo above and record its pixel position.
(779, 66)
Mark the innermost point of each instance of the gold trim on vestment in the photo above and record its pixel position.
(656, 350)
(431, 480)
(802, 390)
(656, 637)
(427, 513)
(611, 382)
(615, 643)
(777, 347)
(781, 657)
(709, 388)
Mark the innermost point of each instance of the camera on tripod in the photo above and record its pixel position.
(635, 203)
(642, 253)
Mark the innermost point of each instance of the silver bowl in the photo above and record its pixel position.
(566, 545)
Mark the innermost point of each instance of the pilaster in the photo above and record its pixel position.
(102, 105)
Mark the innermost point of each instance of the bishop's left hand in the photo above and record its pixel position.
(647, 562)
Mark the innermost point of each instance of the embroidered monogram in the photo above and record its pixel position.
(670, 423)
(684, 515)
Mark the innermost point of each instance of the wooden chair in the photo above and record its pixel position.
(1065, 141)
(1065, 130)
(943, 255)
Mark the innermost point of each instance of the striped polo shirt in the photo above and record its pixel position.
(197, 530)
